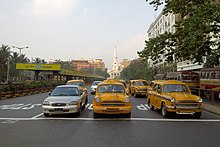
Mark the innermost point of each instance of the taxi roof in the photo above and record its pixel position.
(110, 81)
(75, 81)
(169, 82)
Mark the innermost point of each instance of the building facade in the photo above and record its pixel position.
(166, 23)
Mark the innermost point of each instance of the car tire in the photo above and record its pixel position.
(95, 115)
(197, 115)
(149, 104)
(46, 114)
(164, 111)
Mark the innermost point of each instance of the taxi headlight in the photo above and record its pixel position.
(46, 103)
(172, 100)
(200, 100)
(73, 103)
(127, 100)
(97, 99)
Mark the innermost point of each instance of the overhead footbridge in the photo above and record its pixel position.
(55, 71)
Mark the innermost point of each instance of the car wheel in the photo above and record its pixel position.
(95, 115)
(150, 105)
(46, 114)
(164, 111)
(197, 115)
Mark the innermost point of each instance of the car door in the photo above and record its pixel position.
(153, 95)
(158, 97)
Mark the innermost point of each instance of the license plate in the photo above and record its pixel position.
(112, 109)
(185, 111)
(58, 109)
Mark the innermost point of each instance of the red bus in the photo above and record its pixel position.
(210, 78)
(189, 77)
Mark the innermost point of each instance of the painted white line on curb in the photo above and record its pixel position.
(37, 115)
(116, 119)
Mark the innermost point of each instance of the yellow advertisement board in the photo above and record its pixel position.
(30, 66)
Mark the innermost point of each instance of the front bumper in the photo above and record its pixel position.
(60, 110)
(184, 110)
(112, 110)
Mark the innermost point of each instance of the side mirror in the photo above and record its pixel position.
(49, 93)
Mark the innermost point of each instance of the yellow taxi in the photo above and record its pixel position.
(138, 87)
(173, 96)
(111, 98)
(79, 83)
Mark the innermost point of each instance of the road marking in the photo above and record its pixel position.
(142, 107)
(147, 106)
(90, 107)
(31, 107)
(19, 106)
(87, 105)
(115, 119)
(37, 115)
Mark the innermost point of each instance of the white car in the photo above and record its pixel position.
(65, 99)
(94, 86)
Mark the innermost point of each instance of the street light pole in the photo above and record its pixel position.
(20, 48)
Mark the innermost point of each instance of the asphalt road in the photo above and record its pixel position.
(23, 124)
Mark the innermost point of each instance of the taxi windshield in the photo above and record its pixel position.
(112, 88)
(175, 88)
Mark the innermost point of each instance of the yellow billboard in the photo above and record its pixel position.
(30, 66)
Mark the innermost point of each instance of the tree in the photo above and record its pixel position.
(39, 61)
(4, 57)
(137, 70)
(197, 33)
(14, 59)
(101, 72)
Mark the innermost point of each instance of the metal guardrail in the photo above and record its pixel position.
(207, 94)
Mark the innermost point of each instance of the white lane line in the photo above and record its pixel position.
(115, 119)
(147, 106)
(37, 115)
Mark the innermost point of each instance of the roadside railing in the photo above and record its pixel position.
(210, 95)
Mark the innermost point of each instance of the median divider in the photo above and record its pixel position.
(20, 93)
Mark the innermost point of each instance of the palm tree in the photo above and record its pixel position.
(14, 59)
(4, 57)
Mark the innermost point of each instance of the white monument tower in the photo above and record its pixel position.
(116, 70)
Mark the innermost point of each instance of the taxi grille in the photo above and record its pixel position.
(112, 103)
(119, 104)
(58, 104)
(143, 90)
(186, 105)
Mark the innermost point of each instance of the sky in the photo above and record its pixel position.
(75, 29)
